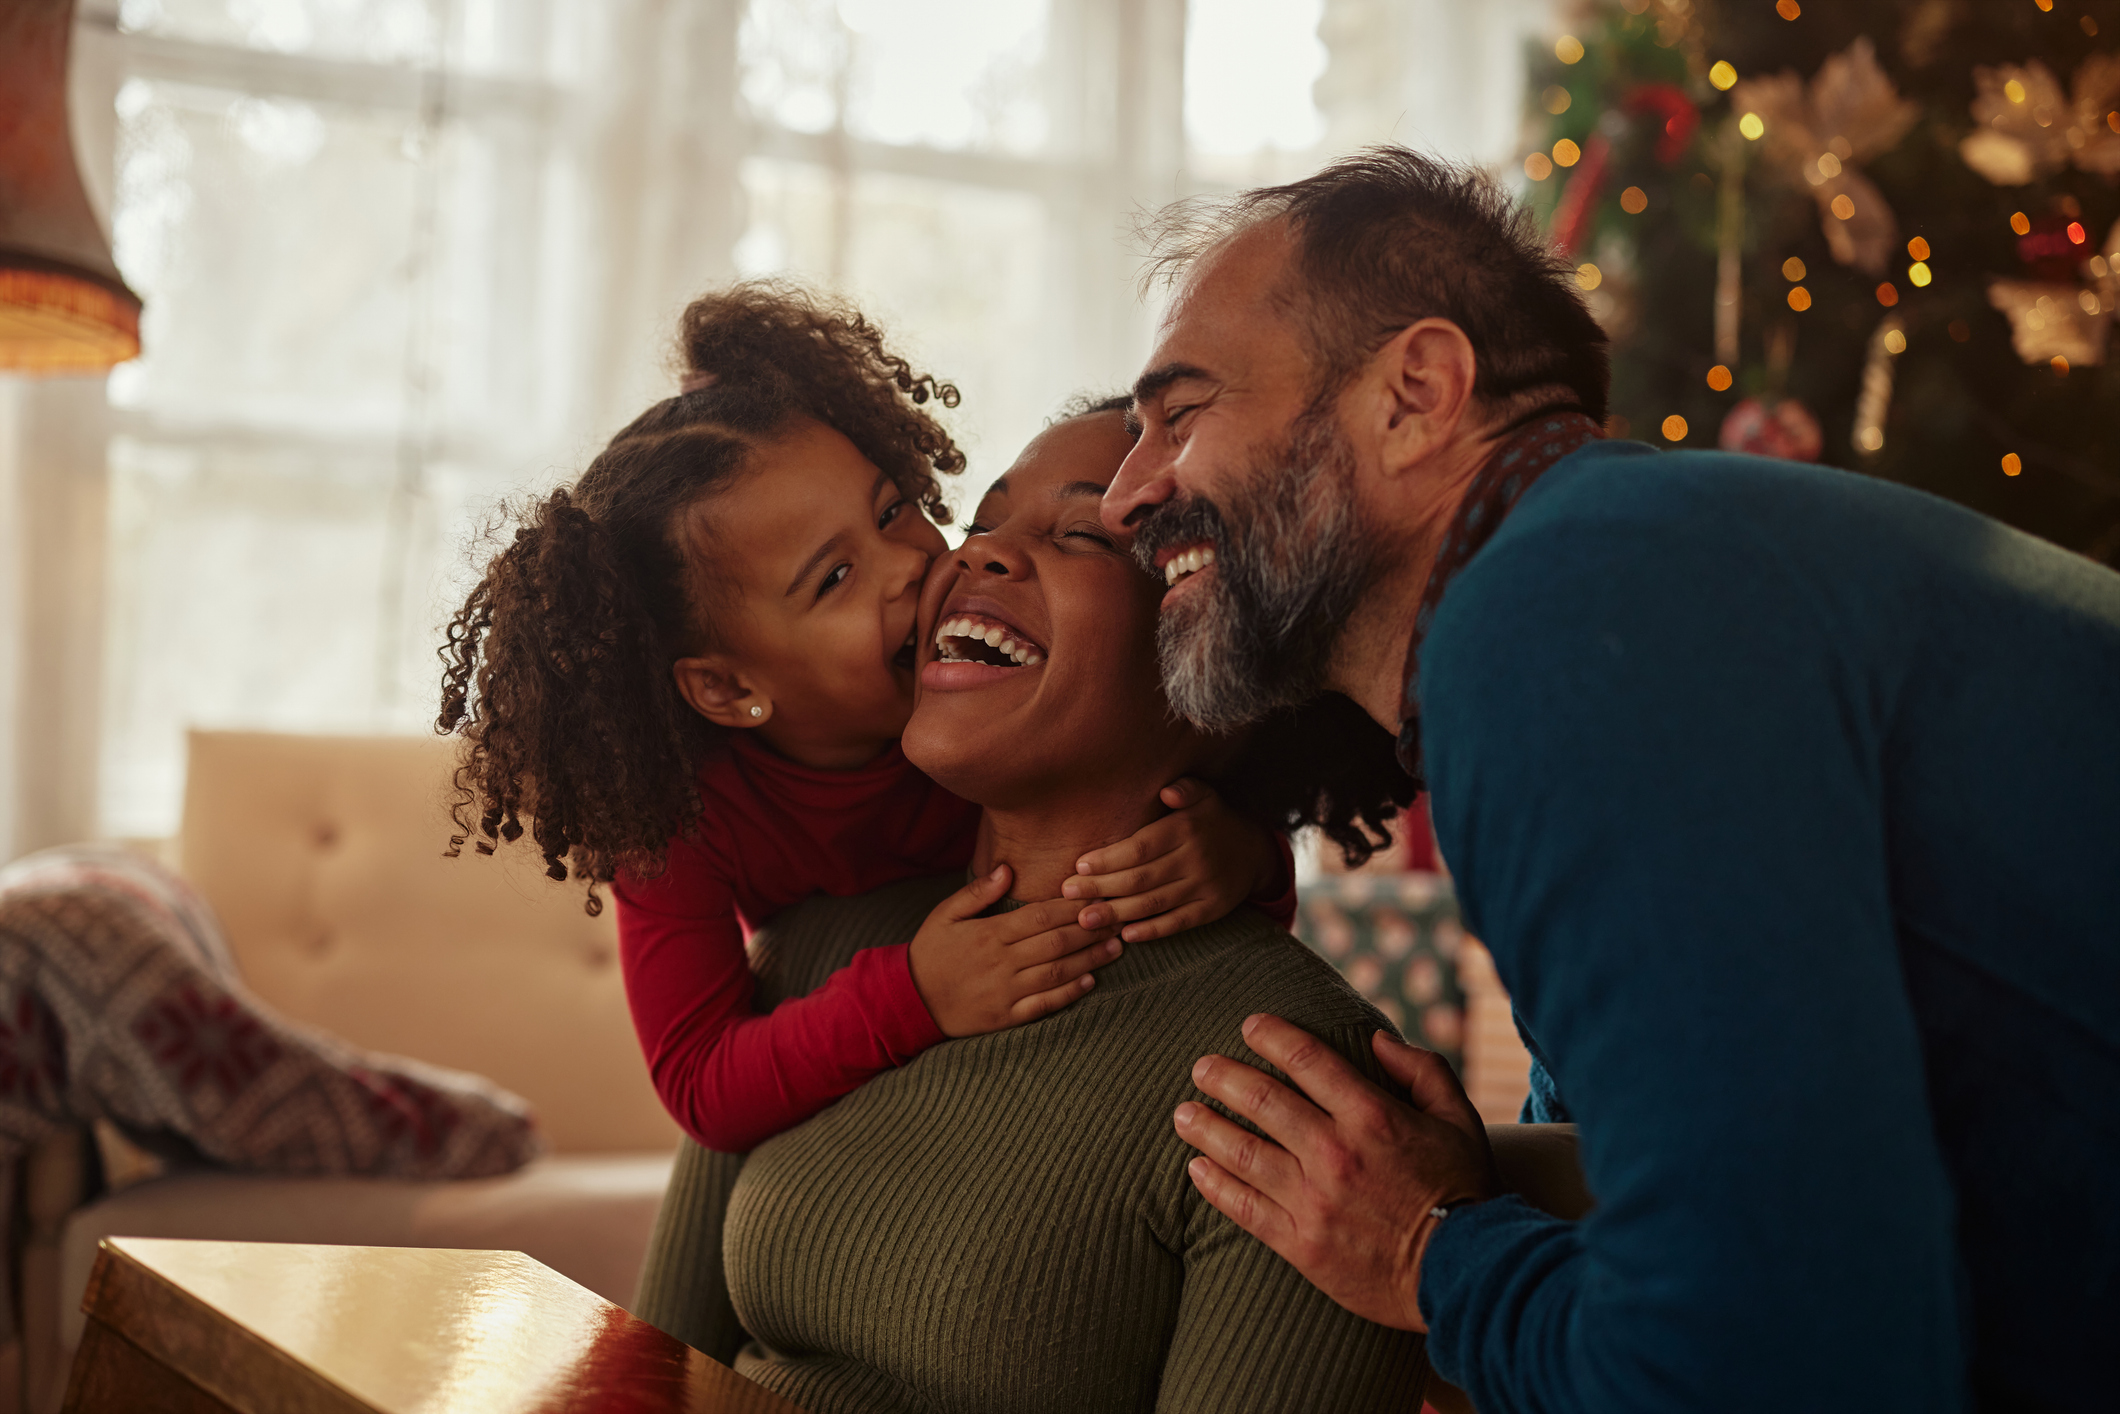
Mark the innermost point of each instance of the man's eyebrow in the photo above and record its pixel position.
(1073, 490)
(1157, 379)
(811, 563)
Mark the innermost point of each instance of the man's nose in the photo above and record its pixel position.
(1145, 481)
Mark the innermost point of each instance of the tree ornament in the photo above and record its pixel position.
(1850, 114)
(2030, 128)
(1785, 429)
(2068, 318)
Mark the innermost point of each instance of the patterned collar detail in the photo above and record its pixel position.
(1496, 488)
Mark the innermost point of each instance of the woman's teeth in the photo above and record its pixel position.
(1190, 562)
(960, 640)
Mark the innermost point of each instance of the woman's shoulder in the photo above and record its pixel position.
(1247, 963)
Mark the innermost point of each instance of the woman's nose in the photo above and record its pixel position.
(989, 554)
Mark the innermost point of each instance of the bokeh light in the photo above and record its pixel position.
(1566, 153)
(1722, 74)
(1792, 269)
(1719, 378)
(1799, 299)
(1674, 428)
(1751, 125)
(1634, 201)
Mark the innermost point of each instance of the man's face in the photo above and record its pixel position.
(1242, 495)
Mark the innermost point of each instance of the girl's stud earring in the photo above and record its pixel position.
(758, 711)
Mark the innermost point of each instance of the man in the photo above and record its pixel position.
(1787, 801)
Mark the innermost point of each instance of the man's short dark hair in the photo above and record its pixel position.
(1389, 236)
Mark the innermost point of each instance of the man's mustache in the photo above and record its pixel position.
(1183, 520)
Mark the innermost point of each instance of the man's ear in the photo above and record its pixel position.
(720, 693)
(1422, 381)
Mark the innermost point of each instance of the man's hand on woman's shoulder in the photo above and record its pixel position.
(1345, 1188)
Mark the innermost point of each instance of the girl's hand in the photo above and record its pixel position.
(1190, 867)
(984, 974)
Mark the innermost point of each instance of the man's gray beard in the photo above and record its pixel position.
(1291, 562)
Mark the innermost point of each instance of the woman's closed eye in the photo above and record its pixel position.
(1085, 532)
(833, 578)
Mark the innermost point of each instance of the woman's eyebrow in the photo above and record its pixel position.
(1074, 490)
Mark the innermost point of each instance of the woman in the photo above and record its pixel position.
(1006, 1222)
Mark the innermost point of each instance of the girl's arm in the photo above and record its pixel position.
(733, 1079)
(1190, 867)
(730, 1078)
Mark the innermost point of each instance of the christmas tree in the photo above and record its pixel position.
(1882, 234)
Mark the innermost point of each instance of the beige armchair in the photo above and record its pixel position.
(324, 859)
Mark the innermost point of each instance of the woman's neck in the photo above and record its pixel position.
(1042, 845)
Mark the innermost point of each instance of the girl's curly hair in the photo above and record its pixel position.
(556, 670)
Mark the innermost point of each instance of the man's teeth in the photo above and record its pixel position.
(950, 630)
(1193, 560)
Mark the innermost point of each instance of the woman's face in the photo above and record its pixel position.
(1065, 697)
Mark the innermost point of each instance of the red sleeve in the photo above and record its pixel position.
(1278, 899)
(732, 1079)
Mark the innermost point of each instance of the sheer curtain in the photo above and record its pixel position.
(406, 258)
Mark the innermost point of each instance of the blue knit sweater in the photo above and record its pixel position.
(1788, 802)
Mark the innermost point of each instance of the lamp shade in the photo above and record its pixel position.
(63, 307)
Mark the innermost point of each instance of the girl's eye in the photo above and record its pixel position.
(834, 579)
(1095, 535)
(890, 513)
(975, 528)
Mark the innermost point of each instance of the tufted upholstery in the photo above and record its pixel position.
(323, 857)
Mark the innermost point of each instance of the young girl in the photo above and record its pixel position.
(688, 674)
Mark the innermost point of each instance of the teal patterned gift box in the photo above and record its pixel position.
(1395, 938)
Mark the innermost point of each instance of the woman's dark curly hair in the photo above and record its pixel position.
(556, 670)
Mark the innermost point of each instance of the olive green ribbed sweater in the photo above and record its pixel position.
(1005, 1224)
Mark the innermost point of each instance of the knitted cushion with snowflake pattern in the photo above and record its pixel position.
(119, 1001)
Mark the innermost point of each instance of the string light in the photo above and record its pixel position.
(1918, 248)
(1799, 299)
(1634, 201)
(1894, 341)
(2087, 302)
(2011, 464)
(1888, 294)
(1844, 207)
(1538, 166)
(1751, 125)
(1589, 276)
(1918, 274)
(2112, 120)
(1719, 378)
(2075, 233)
(1556, 100)
(1723, 74)
(2046, 7)
(2013, 91)
(1566, 153)
(1674, 428)
(1787, 9)
(1568, 49)
(2021, 223)
(1792, 269)
(2059, 365)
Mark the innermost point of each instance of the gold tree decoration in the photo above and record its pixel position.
(2029, 128)
(1849, 114)
(2054, 320)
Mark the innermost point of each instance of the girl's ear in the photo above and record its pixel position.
(721, 694)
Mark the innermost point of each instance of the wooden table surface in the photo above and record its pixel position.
(261, 1328)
